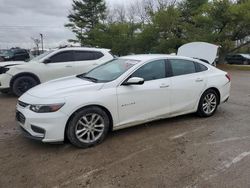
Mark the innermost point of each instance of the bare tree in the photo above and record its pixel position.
(139, 11)
(110, 16)
(120, 13)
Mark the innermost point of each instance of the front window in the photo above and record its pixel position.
(151, 71)
(110, 70)
(65, 56)
(37, 58)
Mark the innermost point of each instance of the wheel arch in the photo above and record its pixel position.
(24, 74)
(94, 105)
(216, 90)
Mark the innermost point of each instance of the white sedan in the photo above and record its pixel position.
(124, 92)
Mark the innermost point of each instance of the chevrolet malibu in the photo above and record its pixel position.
(121, 93)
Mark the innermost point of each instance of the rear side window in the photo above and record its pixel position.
(62, 57)
(84, 56)
(98, 55)
(87, 55)
(182, 67)
(200, 67)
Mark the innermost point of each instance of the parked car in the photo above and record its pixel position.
(121, 93)
(239, 59)
(21, 76)
(15, 54)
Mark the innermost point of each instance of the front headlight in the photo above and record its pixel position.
(39, 108)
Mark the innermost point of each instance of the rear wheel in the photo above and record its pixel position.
(23, 84)
(208, 103)
(88, 127)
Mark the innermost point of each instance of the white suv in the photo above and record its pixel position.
(19, 77)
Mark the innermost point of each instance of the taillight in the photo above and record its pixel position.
(228, 77)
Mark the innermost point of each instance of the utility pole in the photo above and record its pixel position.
(36, 41)
(41, 41)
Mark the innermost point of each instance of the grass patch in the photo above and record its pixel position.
(234, 67)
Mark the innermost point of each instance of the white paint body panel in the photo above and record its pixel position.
(128, 105)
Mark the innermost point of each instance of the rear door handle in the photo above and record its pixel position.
(68, 66)
(199, 80)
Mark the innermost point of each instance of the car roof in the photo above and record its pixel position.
(245, 55)
(148, 57)
(85, 48)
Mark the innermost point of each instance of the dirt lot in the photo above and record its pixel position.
(187, 151)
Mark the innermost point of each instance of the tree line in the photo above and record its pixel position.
(161, 26)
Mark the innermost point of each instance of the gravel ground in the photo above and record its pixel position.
(186, 151)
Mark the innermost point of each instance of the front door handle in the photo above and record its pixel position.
(199, 80)
(68, 66)
(164, 86)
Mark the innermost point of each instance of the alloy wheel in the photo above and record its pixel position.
(89, 128)
(209, 103)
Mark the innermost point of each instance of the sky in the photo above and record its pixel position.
(22, 20)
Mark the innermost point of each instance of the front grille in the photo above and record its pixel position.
(23, 104)
(20, 117)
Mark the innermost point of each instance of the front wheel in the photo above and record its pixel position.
(88, 127)
(208, 103)
(23, 84)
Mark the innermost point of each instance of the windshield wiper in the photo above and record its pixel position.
(88, 78)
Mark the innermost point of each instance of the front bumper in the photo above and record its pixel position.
(5, 81)
(45, 127)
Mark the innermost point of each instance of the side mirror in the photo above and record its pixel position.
(134, 81)
(46, 61)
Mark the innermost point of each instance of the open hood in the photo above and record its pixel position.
(199, 50)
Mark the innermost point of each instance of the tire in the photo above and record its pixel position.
(83, 122)
(210, 99)
(23, 84)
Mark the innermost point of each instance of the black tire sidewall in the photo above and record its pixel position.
(70, 130)
(17, 81)
(200, 110)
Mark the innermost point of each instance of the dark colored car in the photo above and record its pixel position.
(15, 54)
(239, 59)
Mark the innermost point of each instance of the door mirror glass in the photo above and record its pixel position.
(134, 81)
(46, 61)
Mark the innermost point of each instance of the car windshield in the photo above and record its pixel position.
(37, 58)
(7, 53)
(109, 71)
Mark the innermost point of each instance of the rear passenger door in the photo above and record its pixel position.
(188, 82)
(86, 60)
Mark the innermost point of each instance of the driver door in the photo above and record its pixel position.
(140, 103)
(61, 65)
